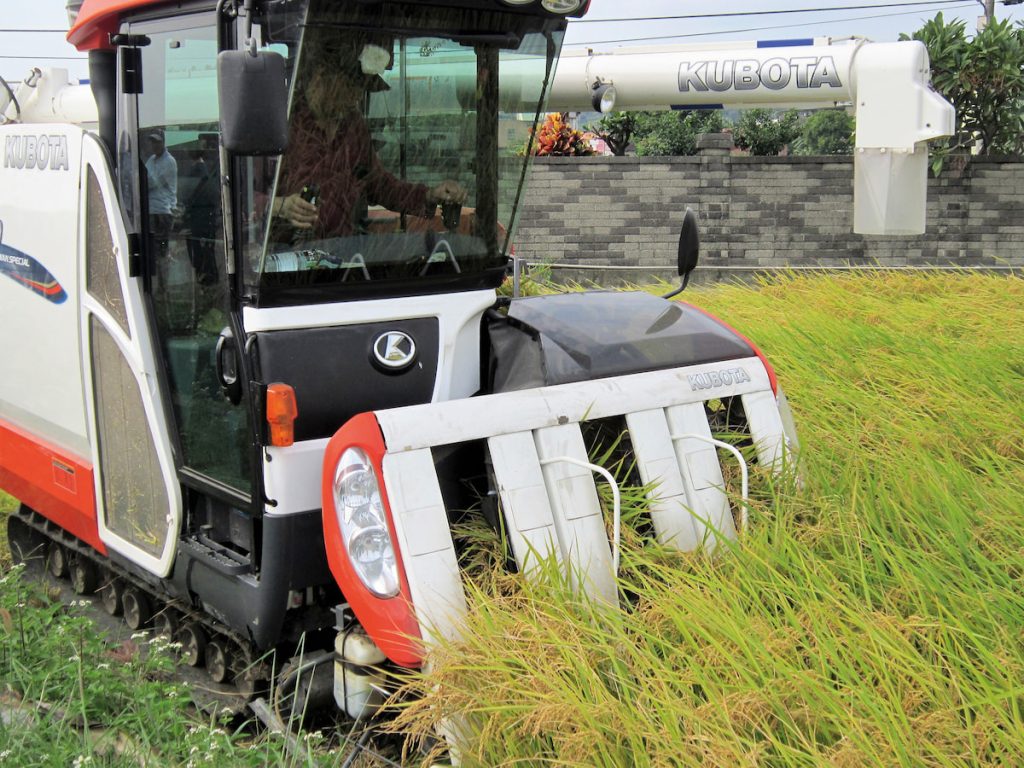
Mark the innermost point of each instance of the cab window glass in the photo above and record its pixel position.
(178, 139)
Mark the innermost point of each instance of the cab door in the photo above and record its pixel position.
(138, 496)
(171, 178)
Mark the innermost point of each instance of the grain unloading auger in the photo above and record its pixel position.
(886, 86)
(275, 377)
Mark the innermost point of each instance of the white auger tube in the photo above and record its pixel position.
(46, 96)
(887, 84)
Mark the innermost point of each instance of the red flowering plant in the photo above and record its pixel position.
(557, 138)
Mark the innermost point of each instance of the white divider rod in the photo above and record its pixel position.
(744, 487)
(616, 502)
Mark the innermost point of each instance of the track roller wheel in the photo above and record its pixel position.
(193, 644)
(26, 544)
(218, 660)
(136, 606)
(57, 560)
(165, 624)
(110, 595)
(85, 576)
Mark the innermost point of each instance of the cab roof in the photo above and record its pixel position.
(98, 19)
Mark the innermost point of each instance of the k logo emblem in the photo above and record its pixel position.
(394, 351)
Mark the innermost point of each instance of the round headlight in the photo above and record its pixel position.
(363, 524)
(603, 98)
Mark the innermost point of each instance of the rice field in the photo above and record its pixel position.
(874, 615)
(874, 612)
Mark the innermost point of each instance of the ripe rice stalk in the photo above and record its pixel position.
(874, 613)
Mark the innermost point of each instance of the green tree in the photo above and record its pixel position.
(983, 78)
(617, 131)
(765, 132)
(826, 132)
(674, 133)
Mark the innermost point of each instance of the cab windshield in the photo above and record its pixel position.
(408, 129)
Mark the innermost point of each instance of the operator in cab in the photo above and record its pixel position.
(331, 172)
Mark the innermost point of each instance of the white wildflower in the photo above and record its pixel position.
(139, 635)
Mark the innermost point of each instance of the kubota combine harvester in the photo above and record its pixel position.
(254, 364)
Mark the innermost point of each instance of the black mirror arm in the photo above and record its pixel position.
(250, 41)
(680, 289)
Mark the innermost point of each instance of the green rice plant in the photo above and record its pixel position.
(872, 615)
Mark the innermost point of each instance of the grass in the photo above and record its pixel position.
(71, 698)
(872, 616)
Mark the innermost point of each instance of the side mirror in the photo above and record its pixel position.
(689, 250)
(253, 99)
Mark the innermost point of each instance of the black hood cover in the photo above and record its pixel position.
(545, 340)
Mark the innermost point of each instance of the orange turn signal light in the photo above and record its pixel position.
(281, 414)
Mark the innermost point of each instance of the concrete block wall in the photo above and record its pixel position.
(756, 213)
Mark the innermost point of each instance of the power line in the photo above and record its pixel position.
(62, 31)
(765, 13)
(757, 29)
(45, 58)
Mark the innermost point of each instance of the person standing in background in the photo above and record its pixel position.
(201, 204)
(162, 175)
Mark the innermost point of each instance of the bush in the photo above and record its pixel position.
(616, 129)
(674, 133)
(765, 132)
(557, 138)
(983, 78)
(827, 132)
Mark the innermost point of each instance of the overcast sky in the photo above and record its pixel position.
(876, 23)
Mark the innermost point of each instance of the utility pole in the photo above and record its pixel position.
(990, 11)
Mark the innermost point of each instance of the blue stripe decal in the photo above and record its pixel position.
(785, 43)
(28, 272)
